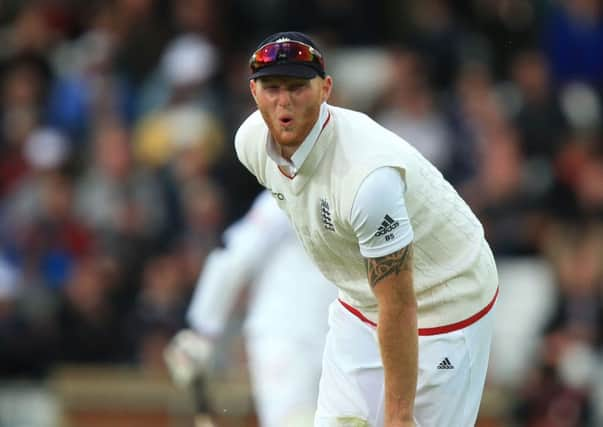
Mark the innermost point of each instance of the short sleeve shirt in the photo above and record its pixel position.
(379, 216)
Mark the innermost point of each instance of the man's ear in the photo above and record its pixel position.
(327, 87)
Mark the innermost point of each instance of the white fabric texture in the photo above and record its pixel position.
(284, 373)
(286, 320)
(454, 274)
(285, 330)
(453, 268)
(227, 271)
(448, 393)
(379, 216)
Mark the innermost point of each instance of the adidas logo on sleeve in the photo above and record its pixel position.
(387, 226)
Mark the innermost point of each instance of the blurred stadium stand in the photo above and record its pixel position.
(117, 177)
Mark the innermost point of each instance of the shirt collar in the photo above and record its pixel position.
(302, 152)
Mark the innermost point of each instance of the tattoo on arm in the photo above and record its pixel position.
(379, 268)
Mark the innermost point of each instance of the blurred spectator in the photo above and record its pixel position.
(186, 75)
(204, 213)
(45, 151)
(182, 144)
(24, 82)
(184, 139)
(412, 112)
(491, 174)
(511, 218)
(581, 106)
(10, 323)
(143, 31)
(503, 28)
(577, 193)
(573, 41)
(179, 130)
(203, 17)
(228, 171)
(432, 31)
(471, 107)
(545, 400)
(50, 241)
(356, 22)
(159, 309)
(539, 117)
(578, 252)
(45, 243)
(88, 328)
(116, 197)
(559, 388)
(36, 28)
(89, 89)
(42, 233)
(27, 347)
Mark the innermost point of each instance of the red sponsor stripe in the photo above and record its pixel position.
(432, 331)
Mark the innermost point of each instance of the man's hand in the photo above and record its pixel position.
(187, 356)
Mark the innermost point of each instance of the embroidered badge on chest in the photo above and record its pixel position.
(325, 214)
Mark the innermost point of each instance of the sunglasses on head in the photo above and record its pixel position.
(285, 52)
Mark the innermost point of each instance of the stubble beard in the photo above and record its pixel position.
(301, 128)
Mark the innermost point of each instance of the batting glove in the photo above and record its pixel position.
(187, 356)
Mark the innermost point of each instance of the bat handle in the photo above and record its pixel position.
(202, 417)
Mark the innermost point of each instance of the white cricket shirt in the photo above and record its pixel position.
(453, 268)
(371, 200)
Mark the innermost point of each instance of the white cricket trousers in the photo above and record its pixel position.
(452, 372)
(285, 372)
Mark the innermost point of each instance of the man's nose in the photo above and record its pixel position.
(284, 97)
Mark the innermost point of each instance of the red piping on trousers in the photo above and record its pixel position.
(432, 331)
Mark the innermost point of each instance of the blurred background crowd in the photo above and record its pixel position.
(118, 174)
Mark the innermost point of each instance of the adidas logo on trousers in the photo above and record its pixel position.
(445, 364)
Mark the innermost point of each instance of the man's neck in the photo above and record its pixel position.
(288, 150)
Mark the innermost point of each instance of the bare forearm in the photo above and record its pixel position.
(391, 279)
(399, 352)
